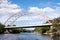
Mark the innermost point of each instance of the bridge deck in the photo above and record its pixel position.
(31, 26)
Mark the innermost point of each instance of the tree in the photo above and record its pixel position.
(41, 29)
(2, 28)
(56, 26)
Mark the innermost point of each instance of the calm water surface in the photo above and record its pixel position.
(25, 36)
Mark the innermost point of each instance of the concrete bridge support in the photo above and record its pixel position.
(51, 28)
(8, 31)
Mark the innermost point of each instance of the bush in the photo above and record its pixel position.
(2, 28)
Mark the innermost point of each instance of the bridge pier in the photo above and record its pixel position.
(8, 31)
(51, 29)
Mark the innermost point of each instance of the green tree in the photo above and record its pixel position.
(56, 26)
(2, 28)
(41, 29)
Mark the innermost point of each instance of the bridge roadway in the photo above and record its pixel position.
(29, 26)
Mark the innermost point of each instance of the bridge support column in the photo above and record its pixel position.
(6, 31)
(51, 29)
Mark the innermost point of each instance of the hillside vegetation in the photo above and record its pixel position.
(55, 29)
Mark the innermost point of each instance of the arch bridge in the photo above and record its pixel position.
(16, 16)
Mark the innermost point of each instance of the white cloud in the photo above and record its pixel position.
(36, 9)
(29, 18)
(7, 10)
(45, 12)
(3, 18)
(48, 9)
(7, 7)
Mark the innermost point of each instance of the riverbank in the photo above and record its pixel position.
(51, 34)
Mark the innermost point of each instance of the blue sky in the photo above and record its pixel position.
(38, 11)
(36, 3)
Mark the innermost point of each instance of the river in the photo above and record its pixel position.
(25, 36)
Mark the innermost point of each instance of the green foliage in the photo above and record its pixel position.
(41, 29)
(56, 22)
(2, 28)
(48, 31)
(56, 26)
(18, 30)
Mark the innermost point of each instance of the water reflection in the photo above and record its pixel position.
(56, 38)
(27, 36)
